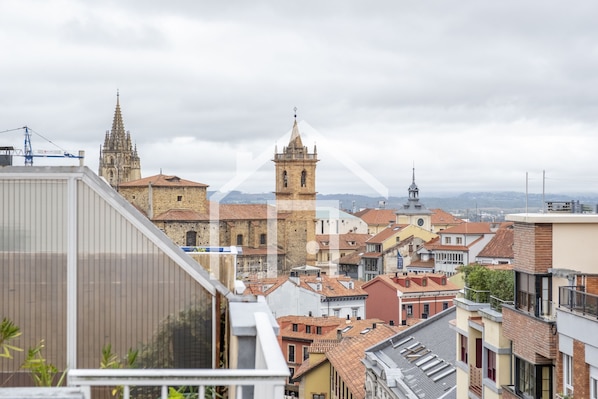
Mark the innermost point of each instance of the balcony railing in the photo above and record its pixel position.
(265, 380)
(476, 295)
(497, 303)
(575, 299)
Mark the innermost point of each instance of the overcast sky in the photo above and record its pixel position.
(474, 94)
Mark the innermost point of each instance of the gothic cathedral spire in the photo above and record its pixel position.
(119, 161)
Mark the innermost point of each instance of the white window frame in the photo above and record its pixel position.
(567, 373)
(593, 382)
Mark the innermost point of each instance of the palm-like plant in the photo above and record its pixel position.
(8, 332)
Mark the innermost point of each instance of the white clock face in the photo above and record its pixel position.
(420, 222)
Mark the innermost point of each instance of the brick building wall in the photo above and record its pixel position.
(581, 371)
(591, 283)
(533, 338)
(532, 247)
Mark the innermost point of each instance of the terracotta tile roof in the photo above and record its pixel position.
(162, 181)
(473, 228)
(308, 365)
(346, 357)
(415, 285)
(353, 258)
(245, 212)
(354, 327)
(263, 286)
(501, 245)
(440, 216)
(377, 216)
(386, 233)
(331, 287)
(350, 241)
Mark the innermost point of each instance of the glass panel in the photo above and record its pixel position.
(133, 295)
(33, 270)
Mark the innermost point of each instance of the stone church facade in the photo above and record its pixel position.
(273, 238)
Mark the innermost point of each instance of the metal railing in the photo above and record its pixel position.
(497, 303)
(265, 381)
(575, 299)
(478, 296)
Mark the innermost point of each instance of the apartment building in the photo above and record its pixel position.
(552, 324)
(483, 353)
(406, 298)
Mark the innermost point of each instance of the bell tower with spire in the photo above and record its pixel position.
(414, 212)
(296, 201)
(119, 161)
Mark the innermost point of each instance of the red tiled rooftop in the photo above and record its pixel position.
(500, 246)
(162, 181)
(377, 216)
(386, 233)
(441, 217)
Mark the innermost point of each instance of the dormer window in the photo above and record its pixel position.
(443, 281)
(407, 282)
(424, 282)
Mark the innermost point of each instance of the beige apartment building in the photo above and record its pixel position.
(543, 345)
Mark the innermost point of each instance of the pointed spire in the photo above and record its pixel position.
(413, 179)
(295, 140)
(413, 190)
(118, 128)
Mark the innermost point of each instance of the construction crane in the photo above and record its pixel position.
(28, 153)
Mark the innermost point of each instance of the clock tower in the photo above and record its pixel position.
(414, 212)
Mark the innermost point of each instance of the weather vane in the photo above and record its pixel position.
(295, 109)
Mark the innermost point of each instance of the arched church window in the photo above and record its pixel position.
(239, 239)
(285, 179)
(191, 239)
(303, 178)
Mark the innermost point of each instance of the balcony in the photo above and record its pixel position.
(475, 381)
(264, 378)
(577, 300)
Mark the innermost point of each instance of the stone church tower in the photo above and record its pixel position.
(296, 202)
(119, 161)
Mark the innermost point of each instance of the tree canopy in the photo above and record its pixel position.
(500, 283)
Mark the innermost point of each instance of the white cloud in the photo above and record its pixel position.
(474, 94)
